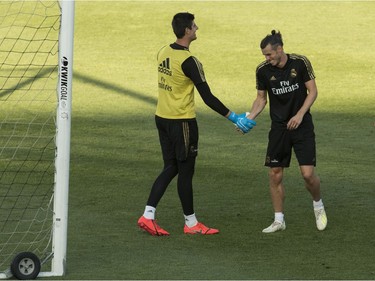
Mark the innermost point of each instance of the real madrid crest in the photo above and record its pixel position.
(293, 73)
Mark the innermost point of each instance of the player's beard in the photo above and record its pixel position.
(277, 64)
(276, 61)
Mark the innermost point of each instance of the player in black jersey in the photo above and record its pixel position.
(289, 81)
(178, 73)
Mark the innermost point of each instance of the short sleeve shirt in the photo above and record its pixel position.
(286, 87)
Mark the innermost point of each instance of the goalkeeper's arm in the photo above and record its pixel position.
(214, 103)
(193, 69)
(210, 100)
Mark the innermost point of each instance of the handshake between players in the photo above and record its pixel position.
(243, 124)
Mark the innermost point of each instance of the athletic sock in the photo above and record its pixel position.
(318, 204)
(191, 220)
(279, 216)
(149, 212)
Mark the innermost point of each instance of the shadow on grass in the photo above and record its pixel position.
(114, 88)
(25, 83)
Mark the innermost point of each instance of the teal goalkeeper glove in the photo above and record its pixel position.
(233, 117)
(243, 124)
(243, 115)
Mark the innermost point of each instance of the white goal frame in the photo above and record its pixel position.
(62, 144)
(62, 162)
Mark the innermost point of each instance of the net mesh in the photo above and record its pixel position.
(29, 33)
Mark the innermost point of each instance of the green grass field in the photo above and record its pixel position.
(115, 155)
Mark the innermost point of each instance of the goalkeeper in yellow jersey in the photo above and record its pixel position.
(178, 73)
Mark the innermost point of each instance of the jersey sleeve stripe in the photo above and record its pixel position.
(306, 61)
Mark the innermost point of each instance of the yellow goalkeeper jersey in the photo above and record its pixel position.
(176, 90)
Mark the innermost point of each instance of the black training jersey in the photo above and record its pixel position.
(286, 87)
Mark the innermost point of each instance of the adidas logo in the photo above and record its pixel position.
(273, 78)
(165, 63)
(164, 67)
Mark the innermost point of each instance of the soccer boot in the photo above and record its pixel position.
(200, 228)
(151, 227)
(275, 226)
(321, 218)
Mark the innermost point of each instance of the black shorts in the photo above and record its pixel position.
(281, 141)
(178, 138)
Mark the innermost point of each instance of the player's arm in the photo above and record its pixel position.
(260, 101)
(258, 104)
(194, 70)
(210, 100)
(296, 120)
(312, 94)
(243, 124)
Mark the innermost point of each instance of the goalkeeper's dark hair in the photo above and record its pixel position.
(180, 22)
(275, 39)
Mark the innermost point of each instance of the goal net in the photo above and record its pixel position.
(31, 67)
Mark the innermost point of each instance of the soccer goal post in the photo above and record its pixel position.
(36, 72)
